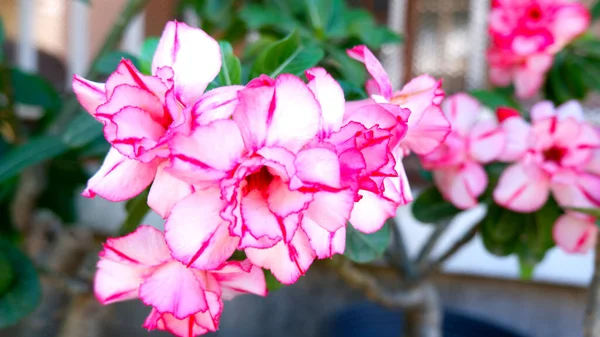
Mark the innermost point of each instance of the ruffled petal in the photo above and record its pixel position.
(219, 103)
(428, 132)
(318, 166)
(236, 278)
(196, 233)
(120, 178)
(522, 188)
(383, 85)
(331, 210)
(324, 243)
(371, 211)
(194, 57)
(89, 94)
(166, 191)
(330, 96)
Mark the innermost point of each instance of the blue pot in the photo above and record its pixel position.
(371, 320)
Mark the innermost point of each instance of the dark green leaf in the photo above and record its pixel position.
(360, 24)
(253, 49)
(272, 283)
(596, 11)
(500, 230)
(590, 72)
(136, 208)
(238, 255)
(2, 40)
(494, 99)
(109, 62)
(231, 70)
(148, 50)
(34, 90)
(288, 55)
(351, 91)
(7, 276)
(24, 293)
(349, 69)
(363, 248)
(257, 16)
(431, 207)
(82, 130)
(31, 153)
(573, 76)
(555, 88)
(97, 148)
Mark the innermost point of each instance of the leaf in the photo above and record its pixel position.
(500, 229)
(494, 99)
(363, 248)
(82, 130)
(555, 88)
(595, 11)
(2, 40)
(33, 152)
(136, 208)
(147, 55)
(431, 207)
(257, 16)
(288, 55)
(360, 24)
(573, 76)
(31, 89)
(349, 69)
(24, 293)
(272, 283)
(7, 275)
(231, 70)
(107, 64)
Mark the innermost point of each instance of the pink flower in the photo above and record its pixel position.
(525, 34)
(140, 113)
(457, 164)
(265, 180)
(557, 153)
(186, 301)
(575, 233)
(427, 126)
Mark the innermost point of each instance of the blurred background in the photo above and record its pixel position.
(444, 38)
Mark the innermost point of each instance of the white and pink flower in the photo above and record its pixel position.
(185, 301)
(457, 164)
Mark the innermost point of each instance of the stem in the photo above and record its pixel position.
(435, 265)
(425, 252)
(132, 9)
(591, 321)
(424, 320)
(400, 251)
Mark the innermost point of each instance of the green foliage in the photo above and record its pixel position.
(82, 130)
(2, 40)
(33, 90)
(431, 207)
(288, 55)
(363, 248)
(231, 70)
(595, 212)
(20, 288)
(33, 152)
(595, 10)
(109, 62)
(272, 283)
(136, 209)
(148, 50)
(495, 98)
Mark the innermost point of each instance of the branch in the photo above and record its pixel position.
(435, 265)
(366, 282)
(112, 40)
(425, 252)
(591, 321)
(399, 251)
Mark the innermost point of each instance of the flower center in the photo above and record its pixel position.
(555, 154)
(259, 180)
(535, 13)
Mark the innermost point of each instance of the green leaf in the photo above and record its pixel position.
(25, 293)
(349, 69)
(596, 11)
(555, 88)
(595, 212)
(360, 24)
(258, 16)
(34, 90)
(363, 248)
(7, 275)
(148, 50)
(82, 130)
(107, 64)
(33, 152)
(2, 40)
(288, 55)
(136, 208)
(500, 230)
(431, 207)
(272, 283)
(590, 71)
(494, 99)
(231, 70)
(573, 76)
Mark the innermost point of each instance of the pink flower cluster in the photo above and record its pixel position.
(525, 35)
(274, 168)
(557, 153)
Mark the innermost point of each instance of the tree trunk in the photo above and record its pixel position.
(425, 318)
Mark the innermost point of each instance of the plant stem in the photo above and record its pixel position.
(399, 249)
(112, 40)
(435, 265)
(591, 321)
(425, 252)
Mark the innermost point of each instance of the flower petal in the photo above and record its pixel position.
(120, 178)
(572, 189)
(194, 57)
(522, 188)
(318, 166)
(242, 277)
(287, 262)
(219, 103)
(330, 96)
(575, 234)
(166, 191)
(324, 243)
(427, 133)
(516, 131)
(462, 185)
(89, 94)
(196, 233)
(371, 211)
(486, 141)
(363, 54)
(331, 210)
(461, 110)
